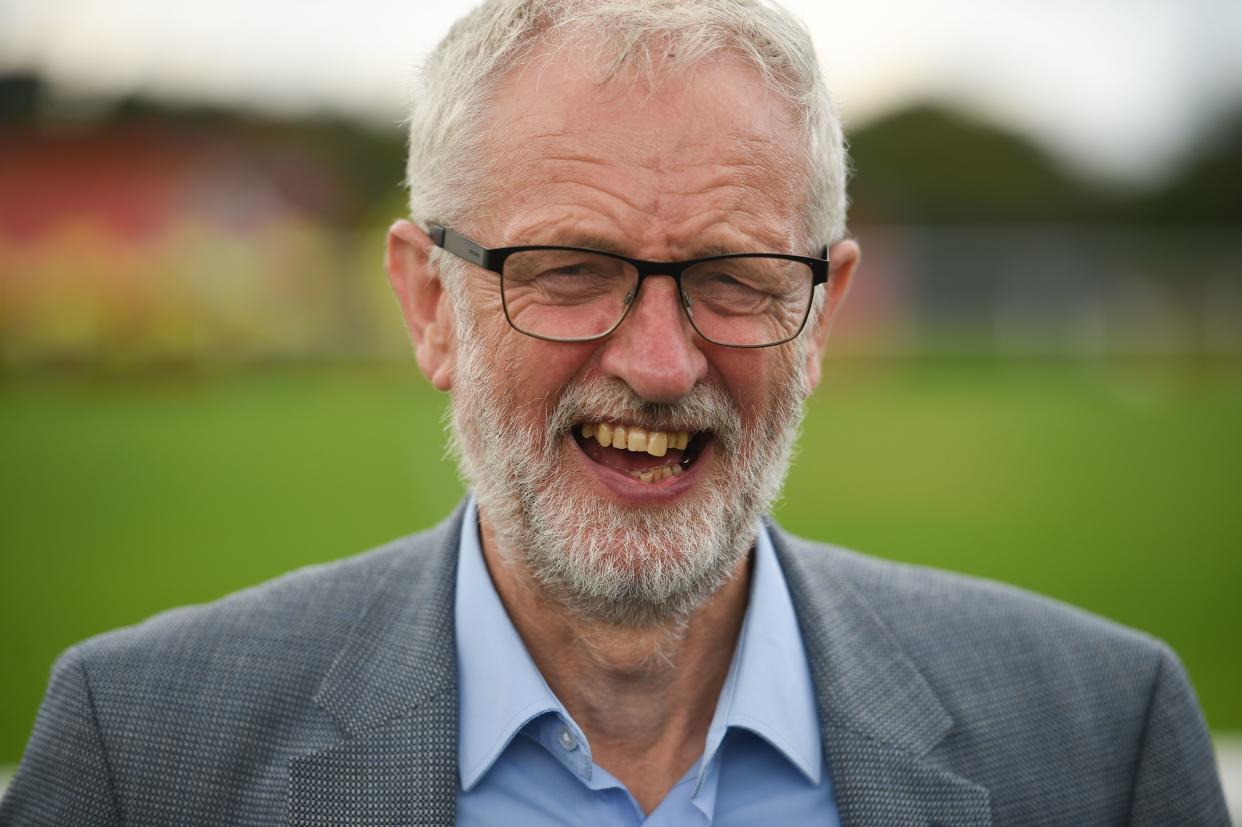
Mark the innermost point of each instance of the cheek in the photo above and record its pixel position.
(539, 371)
(765, 383)
(749, 376)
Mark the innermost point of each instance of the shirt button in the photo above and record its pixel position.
(567, 739)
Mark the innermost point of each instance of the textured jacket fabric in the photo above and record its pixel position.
(328, 696)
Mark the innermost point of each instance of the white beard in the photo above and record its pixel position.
(617, 564)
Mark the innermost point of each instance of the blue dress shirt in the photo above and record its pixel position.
(524, 761)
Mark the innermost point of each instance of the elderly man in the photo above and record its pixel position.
(629, 243)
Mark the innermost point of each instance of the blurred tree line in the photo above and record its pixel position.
(929, 164)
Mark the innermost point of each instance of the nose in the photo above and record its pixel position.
(654, 351)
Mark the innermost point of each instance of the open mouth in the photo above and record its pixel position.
(647, 455)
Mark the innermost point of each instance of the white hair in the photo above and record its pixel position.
(645, 39)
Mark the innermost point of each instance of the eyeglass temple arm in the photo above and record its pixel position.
(458, 245)
(824, 273)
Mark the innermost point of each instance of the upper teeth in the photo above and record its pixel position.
(634, 438)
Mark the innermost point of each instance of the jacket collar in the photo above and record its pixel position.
(879, 717)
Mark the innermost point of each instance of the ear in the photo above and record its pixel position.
(424, 303)
(844, 257)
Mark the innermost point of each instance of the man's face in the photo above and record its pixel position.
(705, 164)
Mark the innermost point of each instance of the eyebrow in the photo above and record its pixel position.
(606, 245)
(587, 240)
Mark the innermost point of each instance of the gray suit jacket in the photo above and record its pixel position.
(329, 696)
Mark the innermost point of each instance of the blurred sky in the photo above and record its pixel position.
(1117, 89)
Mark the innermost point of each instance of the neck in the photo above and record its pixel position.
(644, 697)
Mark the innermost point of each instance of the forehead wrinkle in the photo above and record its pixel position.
(556, 144)
(567, 231)
(755, 157)
(756, 165)
(722, 231)
(752, 205)
(544, 181)
(527, 140)
(729, 185)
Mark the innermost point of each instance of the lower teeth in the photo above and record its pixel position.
(657, 474)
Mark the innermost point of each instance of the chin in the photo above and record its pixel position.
(619, 564)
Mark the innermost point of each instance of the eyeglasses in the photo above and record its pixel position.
(573, 294)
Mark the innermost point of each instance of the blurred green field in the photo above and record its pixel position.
(1114, 486)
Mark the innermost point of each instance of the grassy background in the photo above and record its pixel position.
(1114, 486)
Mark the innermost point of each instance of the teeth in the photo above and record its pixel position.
(640, 440)
(657, 474)
(636, 439)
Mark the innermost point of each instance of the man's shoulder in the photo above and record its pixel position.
(1063, 716)
(951, 605)
(194, 714)
(203, 684)
(301, 617)
(984, 645)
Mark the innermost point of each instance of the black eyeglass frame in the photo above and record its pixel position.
(493, 260)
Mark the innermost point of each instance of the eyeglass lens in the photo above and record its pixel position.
(571, 294)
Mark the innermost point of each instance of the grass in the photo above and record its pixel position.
(1111, 486)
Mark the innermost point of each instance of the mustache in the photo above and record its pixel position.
(706, 408)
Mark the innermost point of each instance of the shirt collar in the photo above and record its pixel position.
(499, 687)
(768, 690)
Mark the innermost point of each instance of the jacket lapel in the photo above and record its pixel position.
(879, 718)
(392, 692)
